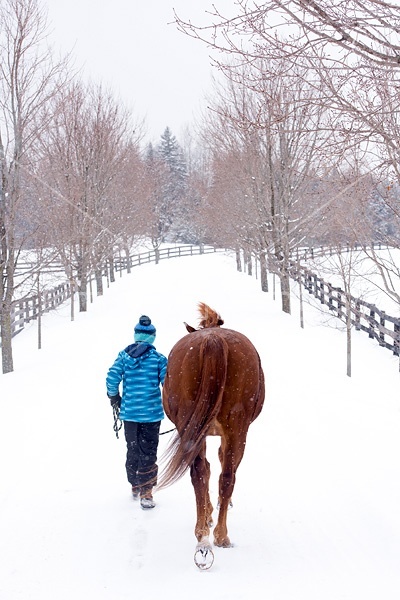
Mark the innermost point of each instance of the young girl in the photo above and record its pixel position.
(141, 369)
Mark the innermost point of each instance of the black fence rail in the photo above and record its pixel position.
(365, 316)
(28, 309)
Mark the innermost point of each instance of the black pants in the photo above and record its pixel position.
(142, 443)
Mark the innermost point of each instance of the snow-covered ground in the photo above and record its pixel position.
(316, 505)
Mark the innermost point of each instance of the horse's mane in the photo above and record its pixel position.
(208, 316)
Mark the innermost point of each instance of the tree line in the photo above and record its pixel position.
(298, 146)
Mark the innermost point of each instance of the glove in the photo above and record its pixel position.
(115, 401)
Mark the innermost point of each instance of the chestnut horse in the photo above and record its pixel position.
(214, 386)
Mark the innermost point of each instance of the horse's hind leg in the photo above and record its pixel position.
(200, 474)
(230, 453)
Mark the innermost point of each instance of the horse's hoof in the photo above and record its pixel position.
(224, 543)
(204, 556)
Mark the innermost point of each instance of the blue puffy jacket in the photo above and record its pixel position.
(141, 369)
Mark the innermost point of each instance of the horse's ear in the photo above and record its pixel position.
(189, 328)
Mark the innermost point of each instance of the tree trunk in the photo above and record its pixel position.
(128, 260)
(72, 288)
(301, 301)
(263, 272)
(348, 336)
(112, 269)
(285, 291)
(39, 317)
(249, 264)
(99, 281)
(82, 291)
(6, 338)
(238, 260)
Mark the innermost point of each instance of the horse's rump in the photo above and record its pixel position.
(192, 394)
(214, 382)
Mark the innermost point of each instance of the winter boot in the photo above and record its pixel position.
(146, 500)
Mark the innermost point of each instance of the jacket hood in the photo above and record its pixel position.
(138, 349)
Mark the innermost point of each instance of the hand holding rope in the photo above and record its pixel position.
(116, 405)
(117, 421)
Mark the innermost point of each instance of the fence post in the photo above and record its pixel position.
(309, 282)
(330, 298)
(396, 339)
(26, 318)
(339, 304)
(381, 332)
(315, 286)
(21, 313)
(371, 323)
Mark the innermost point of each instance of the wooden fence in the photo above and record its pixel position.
(317, 251)
(380, 326)
(28, 309)
(122, 263)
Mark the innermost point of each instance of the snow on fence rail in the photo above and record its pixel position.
(28, 309)
(367, 317)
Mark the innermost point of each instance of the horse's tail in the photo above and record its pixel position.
(185, 446)
(208, 316)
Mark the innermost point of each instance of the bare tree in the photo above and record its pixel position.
(129, 214)
(270, 126)
(366, 30)
(29, 78)
(85, 155)
(351, 49)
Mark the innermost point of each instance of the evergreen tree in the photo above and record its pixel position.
(170, 204)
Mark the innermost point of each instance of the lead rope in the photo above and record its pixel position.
(169, 431)
(117, 421)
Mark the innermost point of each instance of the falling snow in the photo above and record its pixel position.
(316, 506)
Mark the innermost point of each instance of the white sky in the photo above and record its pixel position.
(134, 48)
